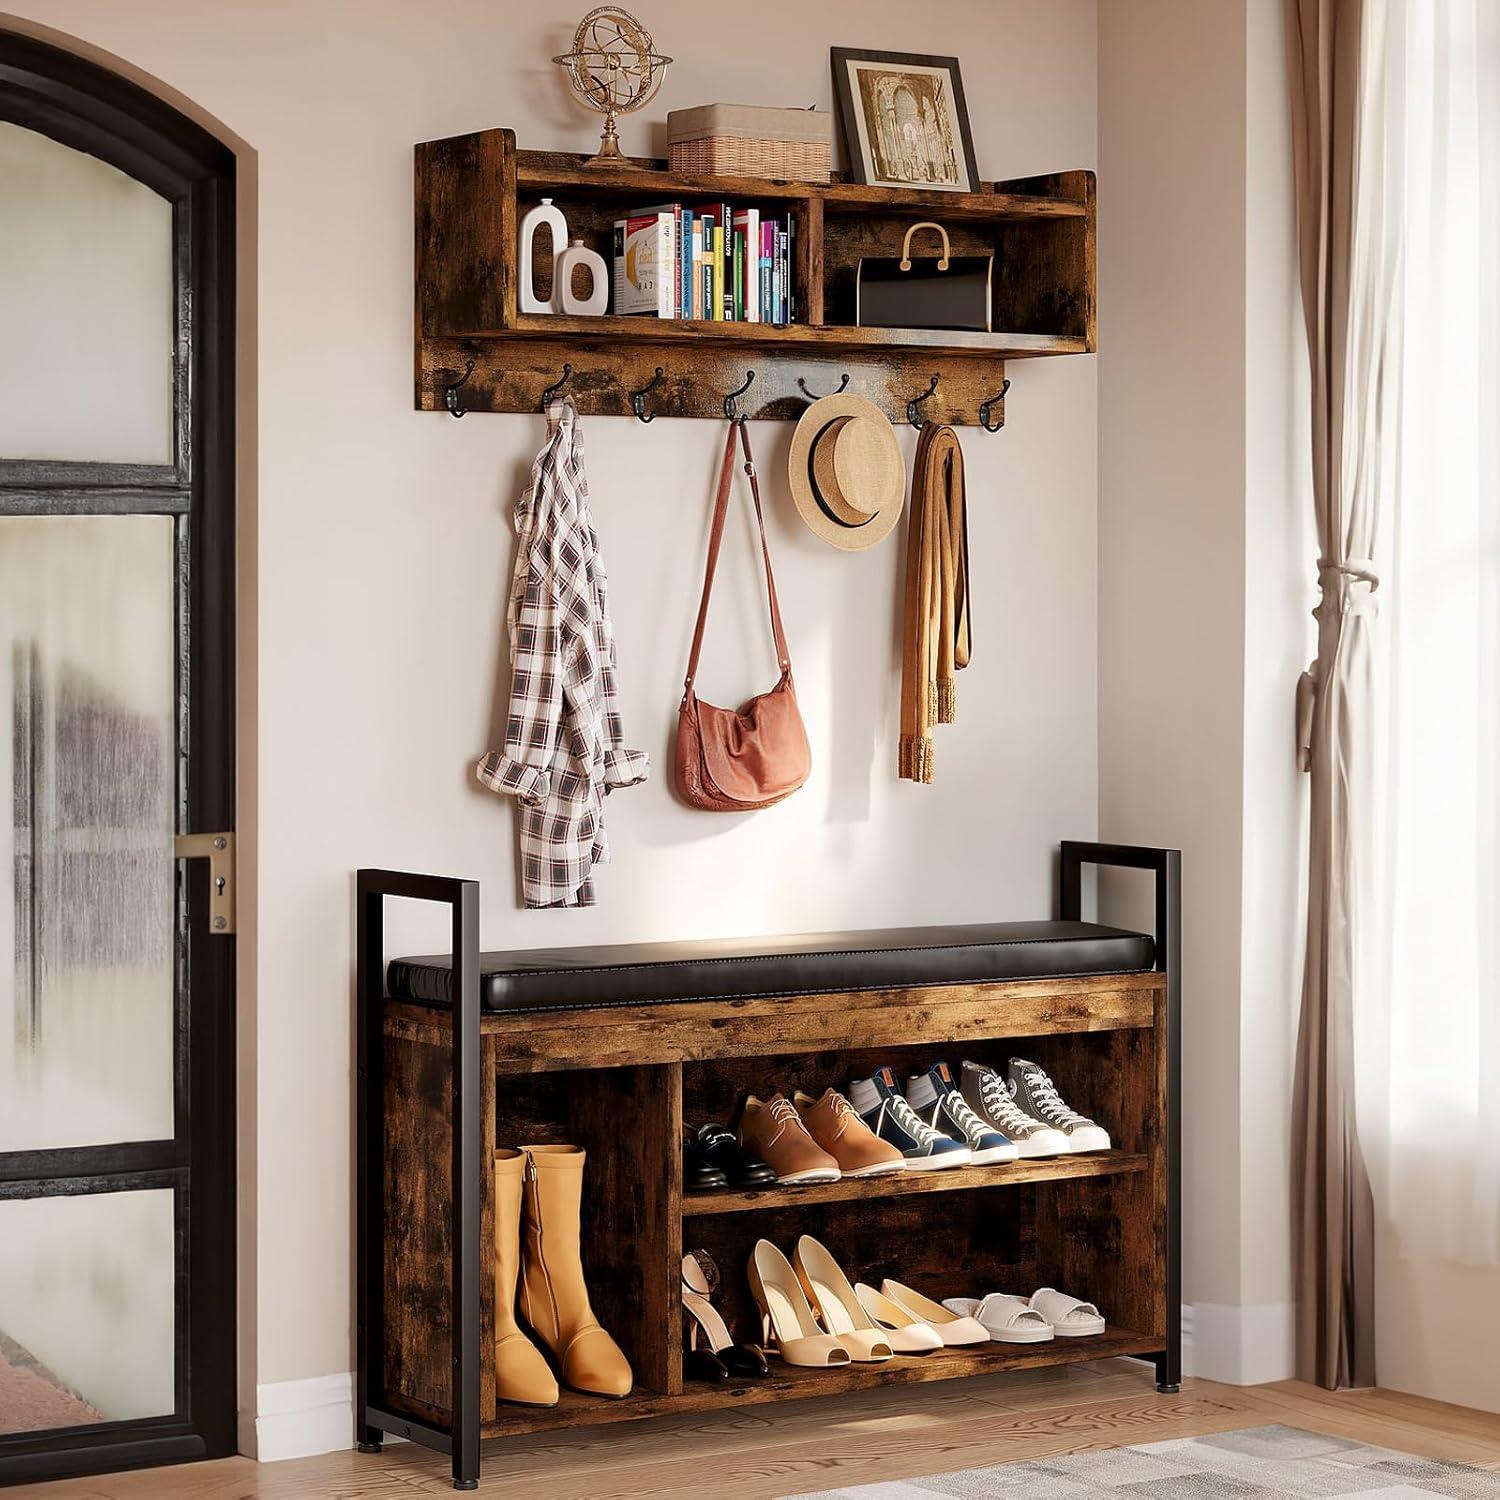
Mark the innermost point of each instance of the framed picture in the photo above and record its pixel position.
(905, 120)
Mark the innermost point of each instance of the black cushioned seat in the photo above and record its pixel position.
(810, 963)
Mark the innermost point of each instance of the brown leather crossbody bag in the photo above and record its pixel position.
(730, 761)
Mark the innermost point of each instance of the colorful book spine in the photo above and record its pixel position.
(695, 284)
(747, 226)
(763, 266)
(718, 294)
(788, 279)
(706, 215)
(726, 286)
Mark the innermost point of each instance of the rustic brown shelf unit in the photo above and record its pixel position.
(471, 191)
(441, 1087)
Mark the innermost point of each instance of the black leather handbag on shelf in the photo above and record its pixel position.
(944, 291)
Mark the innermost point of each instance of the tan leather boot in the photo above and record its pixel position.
(554, 1299)
(521, 1373)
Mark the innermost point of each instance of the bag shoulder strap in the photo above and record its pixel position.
(715, 539)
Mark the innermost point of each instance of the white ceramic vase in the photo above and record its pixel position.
(544, 216)
(563, 298)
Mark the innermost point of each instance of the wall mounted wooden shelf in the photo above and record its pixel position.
(472, 190)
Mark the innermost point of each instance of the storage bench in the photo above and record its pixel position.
(613, 1049)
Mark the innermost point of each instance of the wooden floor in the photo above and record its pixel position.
(895, 1433)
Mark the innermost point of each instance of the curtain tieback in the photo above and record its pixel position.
(1351, 584)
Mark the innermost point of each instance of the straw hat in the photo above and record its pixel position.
(846, 472)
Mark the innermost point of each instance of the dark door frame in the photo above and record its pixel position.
(85, 106)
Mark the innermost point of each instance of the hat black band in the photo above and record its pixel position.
(817, 494)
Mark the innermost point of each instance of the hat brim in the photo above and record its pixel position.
(888, 490)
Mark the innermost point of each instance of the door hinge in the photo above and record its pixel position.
(218, 850)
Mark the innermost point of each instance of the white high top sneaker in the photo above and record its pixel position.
(1036, 1093)
(988, 1097)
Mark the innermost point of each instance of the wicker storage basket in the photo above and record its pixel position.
(748, 140)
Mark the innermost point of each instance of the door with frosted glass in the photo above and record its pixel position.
(117, 1311)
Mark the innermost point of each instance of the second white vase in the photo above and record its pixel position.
(563, 297)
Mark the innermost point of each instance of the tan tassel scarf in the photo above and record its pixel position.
(936, 639)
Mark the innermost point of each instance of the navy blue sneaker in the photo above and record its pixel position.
(879, 1103)
(936, 1098)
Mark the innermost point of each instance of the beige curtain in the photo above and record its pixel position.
(1349, 255)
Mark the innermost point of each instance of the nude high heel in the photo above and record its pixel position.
(950, 1326)
(908, 1334)
(833, 1298)
(790, 1328)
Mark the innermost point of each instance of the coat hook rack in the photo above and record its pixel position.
(552, 390)
(731, 404)
(913, 407)
(985, 406)
(638, 398)
(814, 396)
(450, 392)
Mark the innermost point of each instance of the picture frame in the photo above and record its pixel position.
(905, 120)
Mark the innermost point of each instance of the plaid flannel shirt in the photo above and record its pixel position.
(563, 738)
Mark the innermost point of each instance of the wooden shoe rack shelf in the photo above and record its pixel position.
(440, 1089)
(476, 351)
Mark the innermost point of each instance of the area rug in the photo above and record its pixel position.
(32, 1399)
(1259, 1462)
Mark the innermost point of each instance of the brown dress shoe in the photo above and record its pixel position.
(771, 1130)
(833, 1124)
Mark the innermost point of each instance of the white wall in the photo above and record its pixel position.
(1202, 570)
(1171, 545)
(375, 549)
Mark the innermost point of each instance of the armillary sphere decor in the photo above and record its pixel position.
(614, 67)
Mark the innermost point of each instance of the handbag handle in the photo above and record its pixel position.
(716, 536)
(906, 244)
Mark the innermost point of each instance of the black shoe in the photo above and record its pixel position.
(718, 1146)
(698, 1175)
(722, 1358)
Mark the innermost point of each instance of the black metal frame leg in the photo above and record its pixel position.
(460, 1440)
(1166, 865)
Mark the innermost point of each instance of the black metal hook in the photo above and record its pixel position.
(552, 390)
(984, 409)
(731, 410)
(814, 396)
(450, 393)
(913, 415)
(638, 398)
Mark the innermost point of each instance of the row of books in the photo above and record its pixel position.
(719, 263)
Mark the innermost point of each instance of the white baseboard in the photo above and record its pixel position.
(300, 1418)
(1239, 1345)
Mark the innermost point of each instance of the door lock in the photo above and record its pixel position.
(218, 850)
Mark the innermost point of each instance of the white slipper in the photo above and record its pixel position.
(1009, 1319)
(1069, 1317)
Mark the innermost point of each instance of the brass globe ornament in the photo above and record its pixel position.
(614, 67)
